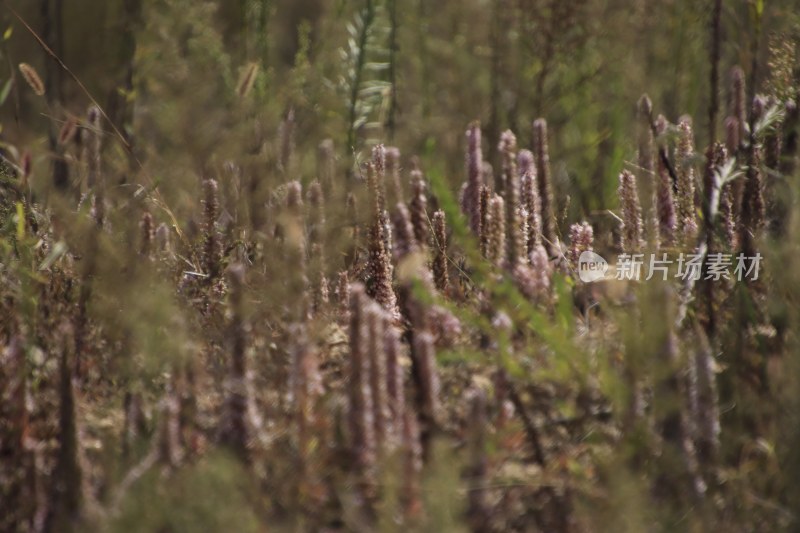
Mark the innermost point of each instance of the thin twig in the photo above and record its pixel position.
(530, 427)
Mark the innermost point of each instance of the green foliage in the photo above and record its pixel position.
(365, 60)
(212, 495)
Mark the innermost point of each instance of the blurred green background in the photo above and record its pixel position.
(429, 68)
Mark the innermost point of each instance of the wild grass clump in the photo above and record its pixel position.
(243, 311)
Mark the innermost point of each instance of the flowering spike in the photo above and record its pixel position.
(706, 420)
(379, 166)
(479, 510)
(412, 466)
(496, 231)
(94, 179)
(427, 377)
(326, 164)
(581, 239)
(286, 137)
(134, 424)
(687, 216)
(419, 208)
(294, 196)
(737, 105)
(405, 240)
(343, 296)
(379, 265)
(146, 226)
(474, 178)
(525, 163)
(211, 248)
(316, 215)
(631, 213)
(533, 280)
(544, 181)
(515, 244)
(647, 170)
(30, 75)
(486, 195)
(529, 198)
(393, 169)
(352, 216)
(751, 221)
(395, 382)
(362, 436)
(305, 386)
(727, 214)
(378, 381)
(234, 427)
(773, 139)
(665, 204)
(163, 239)
(440, 276)
(732, 134)
(169, 431)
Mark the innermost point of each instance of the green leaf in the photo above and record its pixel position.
(8, 32)
(376, 66)
(6, 90)
(564, 306)
(58, 250)
(20, 221)
(756, 8)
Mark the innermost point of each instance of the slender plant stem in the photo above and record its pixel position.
(713, 102)
(391, 119)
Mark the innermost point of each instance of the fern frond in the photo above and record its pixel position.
(769, 120)
(366, 64)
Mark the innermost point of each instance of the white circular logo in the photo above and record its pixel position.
(591, 267)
